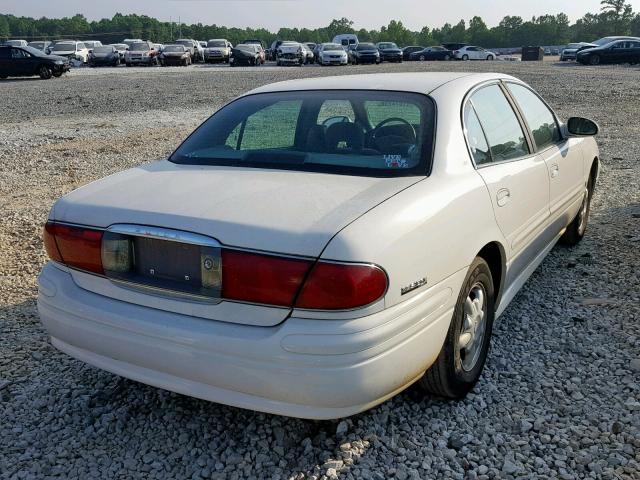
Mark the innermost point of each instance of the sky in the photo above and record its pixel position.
(273, 14)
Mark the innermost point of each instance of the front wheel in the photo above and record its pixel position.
(489, 57)
(447, 58)
(594, 60)
(45, 72)
(463, 355)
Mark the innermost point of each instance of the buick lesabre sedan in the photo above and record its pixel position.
(318, 245)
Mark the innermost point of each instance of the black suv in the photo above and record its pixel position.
(27, 62)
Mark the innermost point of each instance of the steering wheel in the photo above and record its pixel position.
(374, 132)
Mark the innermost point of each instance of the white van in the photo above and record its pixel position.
(346, 40)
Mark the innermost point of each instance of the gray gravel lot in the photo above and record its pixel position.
(560, 396)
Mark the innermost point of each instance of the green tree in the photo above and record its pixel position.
(4, 28)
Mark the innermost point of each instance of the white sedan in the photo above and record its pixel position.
(318, 245)
(471, 52)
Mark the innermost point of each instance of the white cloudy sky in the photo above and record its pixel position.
(273, 14)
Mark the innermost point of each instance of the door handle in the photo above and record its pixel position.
(503, 196)
(555, 170)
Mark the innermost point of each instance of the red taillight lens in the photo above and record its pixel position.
(257, 278)
(76, 247)
(49, 240)
(334, 286)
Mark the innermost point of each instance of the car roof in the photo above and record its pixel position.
(422, 82)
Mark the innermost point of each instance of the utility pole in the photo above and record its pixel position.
(179, 28)
(170, 29)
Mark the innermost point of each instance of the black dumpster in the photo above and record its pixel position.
(530, 54)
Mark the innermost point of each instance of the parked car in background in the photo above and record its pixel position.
(248, 54)
(389, 52)
(472, 52)
(202, 43)
(104, 56)
(407, 51)
(122, 49)
(178, 55)
(43, 46)
(197, 52)
(432, 53)
(255, 41)
(290, 53)
(28, 62)
(131, 41)
(311, 46)
(571, 50)
(366, 53)
(141, 53)
(332, 54)
(217, 50)
(308, 53)
(16, 43)
(272, 52)
(364, 235)
(71, 50)
(620, 51)
(91, 44)
(346, 39)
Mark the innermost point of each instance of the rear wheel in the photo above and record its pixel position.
(3, 77)
(489, 57)
(462, 358)
(465, 57)
(57, 73)
(45, 72)
(422, 58)
(576, 229)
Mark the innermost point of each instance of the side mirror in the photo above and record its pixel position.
(582, 127)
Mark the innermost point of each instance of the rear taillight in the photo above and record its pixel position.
(246, 276)
(257, 278)
(76, 247)
(340, 286)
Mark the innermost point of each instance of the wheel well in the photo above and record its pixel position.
(493, 254)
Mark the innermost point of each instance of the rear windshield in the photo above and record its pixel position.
(139, 47)
(64, 47)
(104, 49)
(357, 132)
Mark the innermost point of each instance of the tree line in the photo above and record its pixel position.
(615, 17)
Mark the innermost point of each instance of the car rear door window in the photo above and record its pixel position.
(541, 120)
(475, 136)
(500, 124)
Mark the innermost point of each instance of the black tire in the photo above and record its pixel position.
(447, 58)
(489, 57)
(578, 227)
(45, 72)
(465, 57)
(594, 60)
(422, 58)
(448, 377)
(3, 77)
(56, 74)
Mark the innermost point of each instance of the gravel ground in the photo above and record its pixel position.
(560, 395)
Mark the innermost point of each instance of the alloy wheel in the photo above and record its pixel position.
(473, 329)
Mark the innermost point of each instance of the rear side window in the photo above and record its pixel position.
(4, 52)
(540, 119)
(475, 136)
(355, 132)
(500, 124)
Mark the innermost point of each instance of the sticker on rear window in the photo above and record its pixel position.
(396, 161)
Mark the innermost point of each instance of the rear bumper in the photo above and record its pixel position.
(303, 368)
